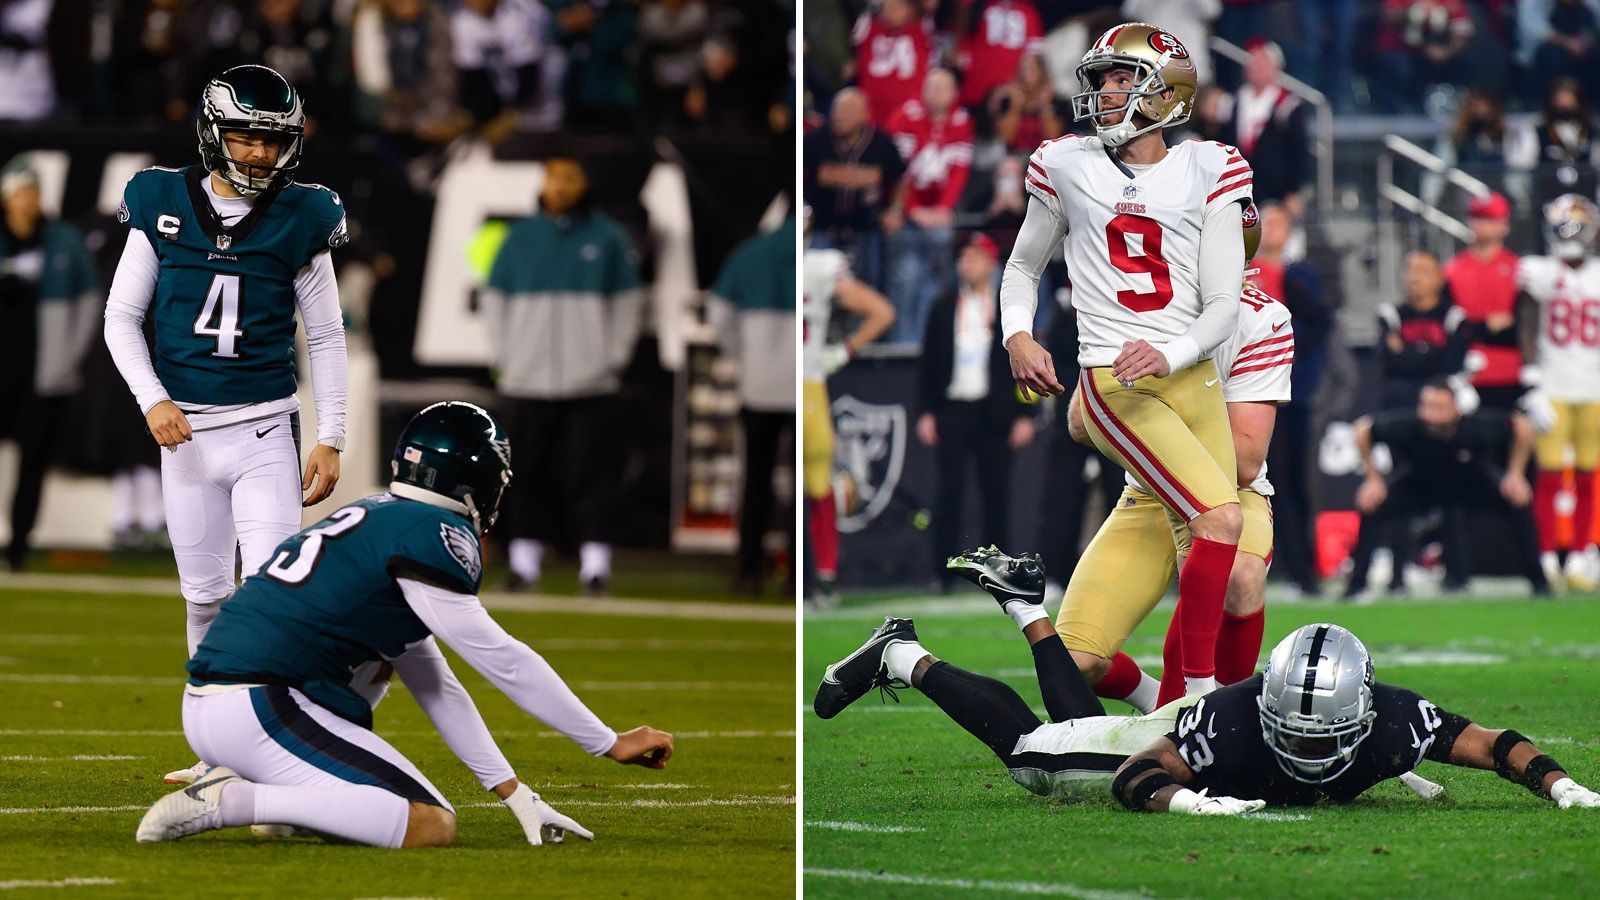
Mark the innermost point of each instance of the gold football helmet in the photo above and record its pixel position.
(1251, 219)
(1570, 223)
(1164, 81)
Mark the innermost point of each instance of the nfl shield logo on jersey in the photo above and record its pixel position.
(1130, 191)
(871, 445)
(224, 242)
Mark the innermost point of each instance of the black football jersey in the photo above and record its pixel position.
(1220, 739)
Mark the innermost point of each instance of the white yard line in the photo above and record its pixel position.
(657, 804)
(592, 606)
(60, 678)
(30, 810)
(80, 757)
(973, 884)
(60, 883)
(863, 826)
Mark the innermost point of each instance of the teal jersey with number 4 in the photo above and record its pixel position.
(224, 306)
(329, 600)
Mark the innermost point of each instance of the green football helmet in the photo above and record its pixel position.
(251, 98)
(455, 455)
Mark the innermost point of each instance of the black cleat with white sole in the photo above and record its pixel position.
(849, 679)
(1006, 578)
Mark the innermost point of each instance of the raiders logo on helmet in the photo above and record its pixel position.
(1166, 43)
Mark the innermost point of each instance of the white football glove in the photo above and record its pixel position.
(834, 357)
(1187, 801)
(1466, 395)
(1535, 404)
(1568, 793)
(540, 822)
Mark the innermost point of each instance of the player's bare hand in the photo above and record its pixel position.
(168, 425)
(1371, 494)
(927, 430)
(322, 468)
(1022, 432)
(643, 746)
(1514, 487)
(1137, 360)
(1032, 366)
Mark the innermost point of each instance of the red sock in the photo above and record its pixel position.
(825, 536)
(1202, 586)
(1545, 487)
(1121, 679)
(1583, 513)
(1238, 646)
(1172, 686)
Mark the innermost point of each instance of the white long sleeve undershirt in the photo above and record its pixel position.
(316, 292)
(510, 665)
(428, 676)
(1220, 272)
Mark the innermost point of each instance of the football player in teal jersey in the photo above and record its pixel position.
(274, 701)
(221, 255)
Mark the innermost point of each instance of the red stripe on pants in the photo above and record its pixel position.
(825, 536)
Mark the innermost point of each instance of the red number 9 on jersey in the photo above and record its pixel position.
(1148, 262)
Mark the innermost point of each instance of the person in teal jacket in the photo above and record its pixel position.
(50, 298)
(564, 307)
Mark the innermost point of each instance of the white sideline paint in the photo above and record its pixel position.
(61, 883)
(1275, 817)
(76, 758)
(537, 603)
(974, 884)
(863, 826)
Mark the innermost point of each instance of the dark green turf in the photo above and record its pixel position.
(739, 849)
(1540, 673)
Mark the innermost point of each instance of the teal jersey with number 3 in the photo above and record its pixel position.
(224, 306)
(328, 600)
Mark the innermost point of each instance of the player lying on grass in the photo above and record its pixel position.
(270, 703)
(1313, 726)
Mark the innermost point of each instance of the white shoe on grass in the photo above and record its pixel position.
(186, 776)
(192, 810)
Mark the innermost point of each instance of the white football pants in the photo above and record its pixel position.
(233, 486)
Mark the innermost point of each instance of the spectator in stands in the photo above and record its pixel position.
(157, 49)
(1269, 128)
(1187, 20)
(1459, 464)
(1291, 456)
(1483, 282)
(853, 183)
(564, 307)
(499, 51)
(722, 97)
(1242, 23)
(27, 82)
(50, 301)
(1419, 44)
(1477, 140)
(1327, 36)
(934, 137)
(892, 56)
(299, 41)
(1070, 27)
(671, 33)
(1213, 112)
(599, 38)
(992, 38)
(1024, 110)
(752, 308)
(1569, 48)
(405, 78)
(1560, 146)
(968, 409)
(1423, 339)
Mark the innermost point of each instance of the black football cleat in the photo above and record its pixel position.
(849, 679)
(1006, 578)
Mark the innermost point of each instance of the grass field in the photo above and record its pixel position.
(901, 802)
(89, 695)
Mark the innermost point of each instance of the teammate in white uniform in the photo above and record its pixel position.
(1153, 239)
(826, 279)
(1560, 334)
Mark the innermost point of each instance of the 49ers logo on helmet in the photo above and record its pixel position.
(1251, 216)
(1166, 43)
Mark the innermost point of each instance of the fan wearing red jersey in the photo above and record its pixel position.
(1154, 243)
(892, 53)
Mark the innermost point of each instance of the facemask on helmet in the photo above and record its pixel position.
(1316, 702)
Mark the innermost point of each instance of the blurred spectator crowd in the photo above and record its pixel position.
(412, 72)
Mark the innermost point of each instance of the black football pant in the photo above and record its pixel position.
(563, 469)
(967, 434)
(36, 427)
(763, 436)
(994, 713)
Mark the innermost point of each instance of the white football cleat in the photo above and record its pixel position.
(192, 810)
(1581, 571)
(186, 776)
(1552, 571)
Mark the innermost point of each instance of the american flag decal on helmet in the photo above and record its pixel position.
(412, 454)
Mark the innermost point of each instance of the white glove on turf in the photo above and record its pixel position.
(1187, 801)
(1568, 793)
(539, 821)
